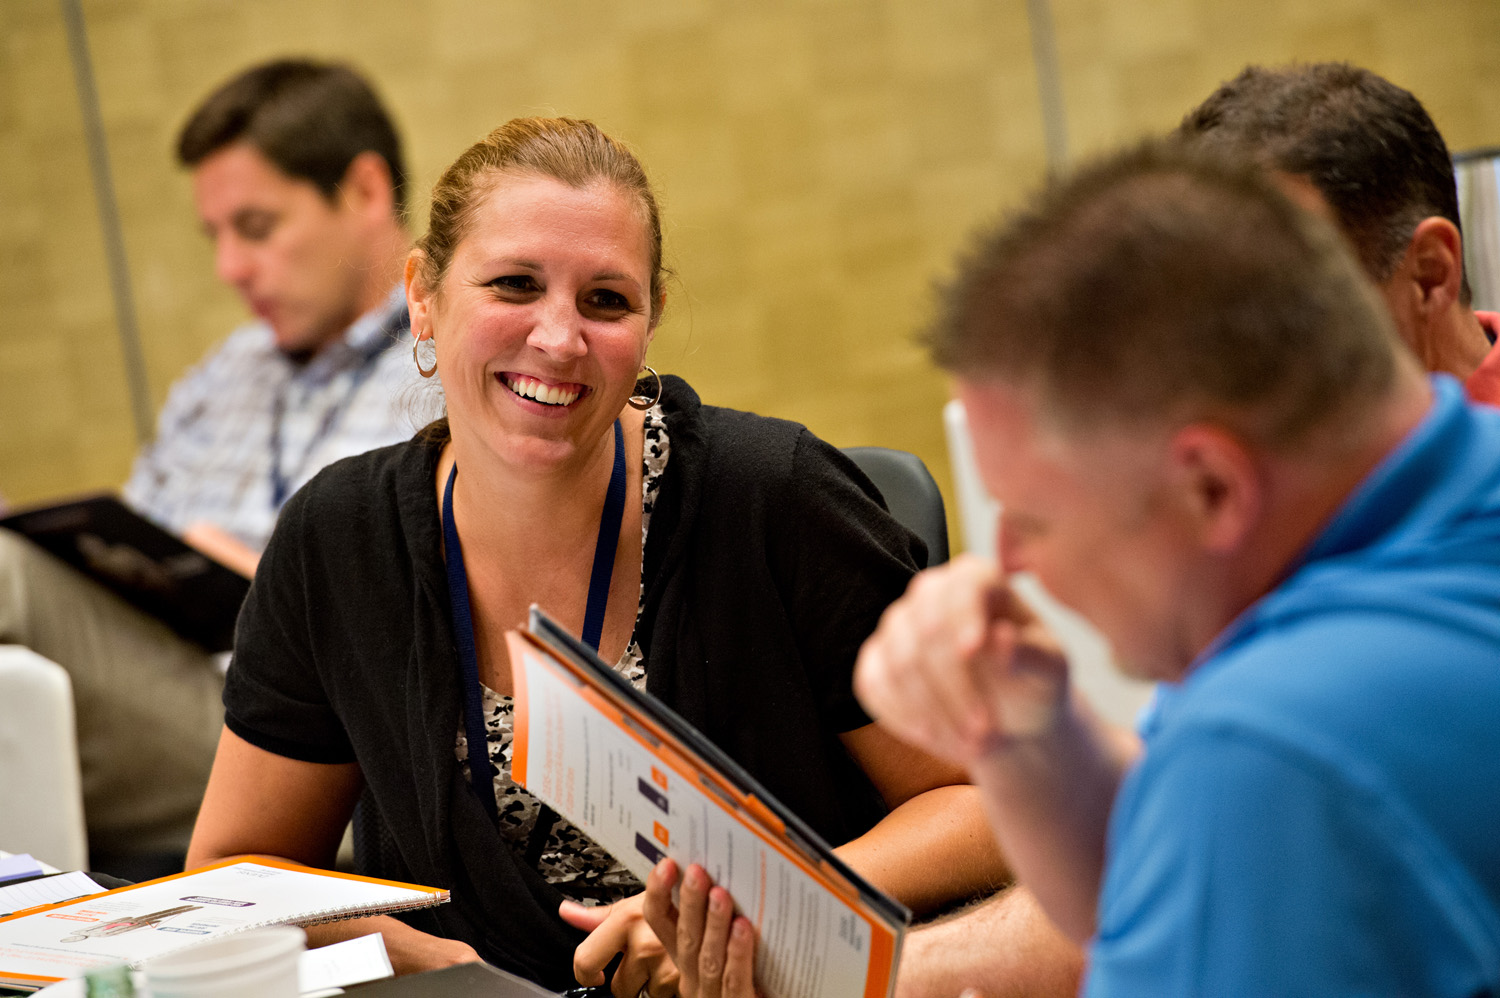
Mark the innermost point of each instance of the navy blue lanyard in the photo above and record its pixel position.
(481, 770)
(281, 483)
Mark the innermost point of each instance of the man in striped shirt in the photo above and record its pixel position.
(298, 179)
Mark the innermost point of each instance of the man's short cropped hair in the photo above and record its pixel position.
(309, 118)
(1162, 285)
(1367, 145)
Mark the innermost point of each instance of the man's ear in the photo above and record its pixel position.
(418, 296)
(1434, 264)
(367, 187)
(1218, 486)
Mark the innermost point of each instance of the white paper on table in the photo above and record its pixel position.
(46, 867)
(323, 971)
(354, 961)
(47, 890)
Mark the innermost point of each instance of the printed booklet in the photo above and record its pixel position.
(644, 784)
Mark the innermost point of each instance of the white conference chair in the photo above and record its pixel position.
(41, 796)
(1114, 696)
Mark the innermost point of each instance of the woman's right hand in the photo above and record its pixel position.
(411, 950)
(714, 948)
(261, 803)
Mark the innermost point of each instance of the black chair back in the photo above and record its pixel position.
(910, 494)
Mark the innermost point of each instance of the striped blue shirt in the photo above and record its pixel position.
(213, 458)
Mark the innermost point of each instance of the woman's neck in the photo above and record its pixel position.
(520, 517)
(531, 538)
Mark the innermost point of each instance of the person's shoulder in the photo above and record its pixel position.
(225, 369)
(1350, 694)
(1361, 648)
(350, 488)
(248, 343)
(735, 442)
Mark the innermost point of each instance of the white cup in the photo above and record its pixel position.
(259, 963)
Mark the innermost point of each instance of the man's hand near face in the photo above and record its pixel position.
(961, 668)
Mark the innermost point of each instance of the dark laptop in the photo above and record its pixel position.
(147, 566)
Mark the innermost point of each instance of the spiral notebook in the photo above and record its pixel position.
(136, 924)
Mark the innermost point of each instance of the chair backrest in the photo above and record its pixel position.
(41, 796)
(910, 494)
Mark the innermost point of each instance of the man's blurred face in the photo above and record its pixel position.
(297, 258)
(1091, 519)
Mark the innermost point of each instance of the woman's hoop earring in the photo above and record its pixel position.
(425, 372)
(642, 402)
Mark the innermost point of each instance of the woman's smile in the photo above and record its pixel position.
(534, 389)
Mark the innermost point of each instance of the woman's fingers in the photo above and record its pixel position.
(621, 928)
(713, 951)
(606, 937)
(646, 969)
(583, 917)
(692, 906)
(739, 964)
(658, 909)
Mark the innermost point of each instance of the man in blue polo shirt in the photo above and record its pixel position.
(1361, 150)
(1206, 437)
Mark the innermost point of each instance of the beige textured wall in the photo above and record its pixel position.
(820, 163)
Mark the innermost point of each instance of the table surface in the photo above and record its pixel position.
(468, 980)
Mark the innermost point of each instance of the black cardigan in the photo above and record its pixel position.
(768, 561)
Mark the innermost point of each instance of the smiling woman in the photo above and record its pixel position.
(728, 563)
(541, 317)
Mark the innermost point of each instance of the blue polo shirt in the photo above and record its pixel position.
(1318, 808)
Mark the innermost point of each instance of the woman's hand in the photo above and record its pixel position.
(411, 950)
(646, 970)
(414, 951)
(713, 948)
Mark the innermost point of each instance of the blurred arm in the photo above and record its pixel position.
(223, 547)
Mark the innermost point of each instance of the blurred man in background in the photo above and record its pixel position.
(1362, 151)
(298, 178)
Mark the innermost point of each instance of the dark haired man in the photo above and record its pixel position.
(1251, 487)
(298, 179)
(1364, 151)
(297, 176)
